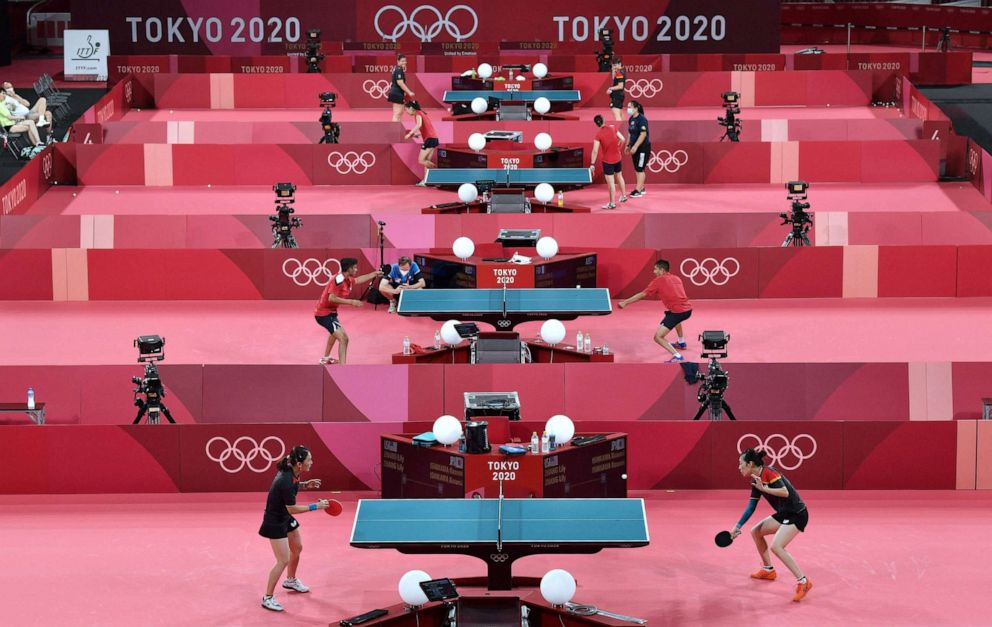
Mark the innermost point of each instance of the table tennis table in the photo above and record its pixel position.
(499, 531)
(553, 95)
(503, 308)
(522, 177)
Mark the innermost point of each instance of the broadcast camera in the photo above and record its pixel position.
(732, 126)
(800, 217)
(604, 57)
(283, 224)
(715, 380)
(151, 348)
(313, 55)
(332, 130)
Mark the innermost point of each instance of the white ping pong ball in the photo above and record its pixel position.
(624, 476)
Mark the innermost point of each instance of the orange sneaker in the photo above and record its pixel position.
(766, 574)
(802, 589)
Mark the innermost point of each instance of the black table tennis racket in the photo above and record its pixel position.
(723, 539)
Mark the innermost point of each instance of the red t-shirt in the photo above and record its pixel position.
(341, 287)
(426, 128)
(609, 143)
(670, 290)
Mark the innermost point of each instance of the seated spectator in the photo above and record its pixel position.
(404, 275)
(22, 108)
(17, 124)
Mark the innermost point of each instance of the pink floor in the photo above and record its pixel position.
(380, 199)
(283, 332)
(875, 558)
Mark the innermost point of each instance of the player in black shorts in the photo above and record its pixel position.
(281, 528)
(786, 523)
(398, 91)
(638, 144)
(616, 90)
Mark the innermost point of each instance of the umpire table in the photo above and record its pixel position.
(499, 531)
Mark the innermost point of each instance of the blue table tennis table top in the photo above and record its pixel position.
(522, 176)
(522, 300)
(427, 521)
(554, 95)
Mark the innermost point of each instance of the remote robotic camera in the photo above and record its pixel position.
(604, 57)
(801, 218)
(332, 130)
(313, 54)
(148, 395)
(715, 380)
(730, 123)
(283, 222)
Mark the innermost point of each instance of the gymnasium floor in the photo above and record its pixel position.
(875, 558)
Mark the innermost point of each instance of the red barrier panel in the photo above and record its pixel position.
(717, 273)
(915, 271)
(29, 183)
(263, 393)
(885, 456)
(974, 278)
(26, 275)
(801, 272)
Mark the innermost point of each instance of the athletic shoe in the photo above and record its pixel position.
(675, 360)
(42, 123)
(637, 193)
(765, 574)
(680, 345)
(609, 205)
(623, 199)
(295, 584)
(421, 183)
(802, 589)
(392, 306)
(270, 603)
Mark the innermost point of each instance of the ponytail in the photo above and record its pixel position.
(413, 104)
(755, 456)
(297, 455)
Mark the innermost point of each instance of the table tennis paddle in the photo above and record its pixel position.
(723, 539)
(334, 508)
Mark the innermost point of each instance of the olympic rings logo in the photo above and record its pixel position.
(128, 94)
(666, 161)
(46, 165)
(789, 448)
(499, 557)
(351, 161)
(244, 451)
(376, 89)
(429, 33)
(310, 271)
(644, 88)
(972, 161)
(709, 270)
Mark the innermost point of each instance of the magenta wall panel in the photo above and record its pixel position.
(974, 277)
(137, 275)
(111, 459)
(917, 271)
(972, 382)
(886, 456)
(39, 231)
(624, 392)
(106, 398)
(141, 232)
(25, 274)
(857, 391)
(737, 163)
(540, 386)
(801, 272)
(717, 273)
(182, 91)
(24, 455)
(830, 161)
(195, 164)
(242, 393)
(56, 386)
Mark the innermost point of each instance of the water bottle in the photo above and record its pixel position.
(588, 345)
(437, 340)
(561, 198)
(606, 348)
(551, 441)
(406, 345)
(30, 398)
(534, 443)
(578, 341)
(545, 443)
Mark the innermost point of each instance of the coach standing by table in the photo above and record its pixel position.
(398, 91)
(610, 139)
(638, 144)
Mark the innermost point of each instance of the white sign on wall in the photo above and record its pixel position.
(85, 53)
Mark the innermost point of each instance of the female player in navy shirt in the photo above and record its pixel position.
(279, 525)
(786, 523)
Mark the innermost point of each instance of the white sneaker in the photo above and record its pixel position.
(392, 306)
(295, 584)
(270, 603)
(41, 123)
(609, 205)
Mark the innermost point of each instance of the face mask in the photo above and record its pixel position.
(630, 111)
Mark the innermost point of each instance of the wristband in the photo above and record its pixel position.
(313, 507)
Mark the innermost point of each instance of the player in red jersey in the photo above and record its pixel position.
(670, 290)
(337, 293)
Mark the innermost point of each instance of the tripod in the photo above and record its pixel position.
(711, 392)
(798, 237)
(151, 406)
(944, 44)
(372, 293)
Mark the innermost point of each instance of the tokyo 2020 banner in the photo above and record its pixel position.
(252, 27)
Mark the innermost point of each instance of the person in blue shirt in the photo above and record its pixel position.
(404, 275)
(638, 144)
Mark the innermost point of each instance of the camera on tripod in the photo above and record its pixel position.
(282, 223)
(313, 55)
(604, 58)
(714, 382)
(151, 348)
(730, 123)
(800, 217)
(332, 131)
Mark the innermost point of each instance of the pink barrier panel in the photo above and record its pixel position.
(541, 391)
(233, 394)
(972, 383)
(801, 272)
(355, 394)
(39, 231)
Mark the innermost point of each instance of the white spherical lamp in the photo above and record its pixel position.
(542, 105)
(485, 70)
(552, 331)
(463, 247)
(447, 430)
(557, 587)
(410, 590)
(544, 192)
(542, 141)
(477, 141)
(449, 334)
(547, 247)
(479, 105)
(561, 427)
(540, 70)
(467, 192)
